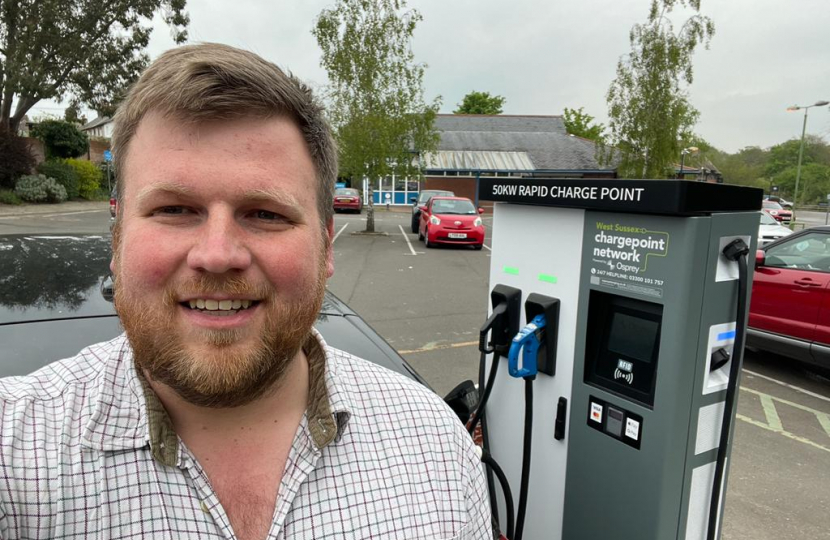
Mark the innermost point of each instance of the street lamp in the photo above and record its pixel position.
(801, 147)
(689, 150)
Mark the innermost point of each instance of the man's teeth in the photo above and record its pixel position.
(219, 305)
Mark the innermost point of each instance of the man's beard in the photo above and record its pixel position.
(223, 373)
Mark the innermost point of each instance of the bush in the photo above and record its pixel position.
(7, 196)
(63, 173)
(61, 139)
(15, 159)
(39, 188)
(89, 177)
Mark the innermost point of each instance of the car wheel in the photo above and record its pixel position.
(427, 243)
(414, 226)
(478, 247)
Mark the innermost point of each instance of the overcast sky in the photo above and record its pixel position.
(546, 55)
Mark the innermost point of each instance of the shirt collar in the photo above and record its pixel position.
(128, 414)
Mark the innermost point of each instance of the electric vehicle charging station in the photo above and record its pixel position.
(635, 367)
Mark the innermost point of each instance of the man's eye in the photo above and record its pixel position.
(267, 216)
(171, 210)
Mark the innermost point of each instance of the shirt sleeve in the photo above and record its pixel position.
(479, 525)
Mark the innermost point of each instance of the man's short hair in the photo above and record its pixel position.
(210, 81)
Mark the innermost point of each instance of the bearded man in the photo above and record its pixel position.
(222, 413)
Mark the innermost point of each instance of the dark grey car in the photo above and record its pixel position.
(423, 198)
(54, 301)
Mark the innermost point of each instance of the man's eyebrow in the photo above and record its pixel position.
(169, 188)
(273, 195)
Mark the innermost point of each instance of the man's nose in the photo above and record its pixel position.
(219, 246)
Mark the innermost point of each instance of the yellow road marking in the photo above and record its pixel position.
(429, 347)
(781, 432)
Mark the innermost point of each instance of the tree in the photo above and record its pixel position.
(73, 115)
(61, 139)
(89, 49)
(480, 103)
(375, 94)
(579, 123)
(648, 105)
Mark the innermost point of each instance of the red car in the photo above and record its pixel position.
(451, 220)
(790, 309)
(777, 211)
(347, 199)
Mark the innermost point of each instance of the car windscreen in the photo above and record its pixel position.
(772, 205)
(447, 206)
(346, 192)
(767, 219)
(424, 196)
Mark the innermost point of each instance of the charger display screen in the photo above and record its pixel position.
(622, 345)
(633, 337)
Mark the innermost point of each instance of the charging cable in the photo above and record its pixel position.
(528, 339)
(737, 250)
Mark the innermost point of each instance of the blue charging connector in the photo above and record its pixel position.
(528, 339)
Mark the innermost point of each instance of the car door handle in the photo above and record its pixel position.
(807, 283)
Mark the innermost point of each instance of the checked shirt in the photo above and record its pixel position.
(87, 451)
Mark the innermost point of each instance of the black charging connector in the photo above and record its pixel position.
(539, 304)
(719, 359)
(503, 322)
(734, 249)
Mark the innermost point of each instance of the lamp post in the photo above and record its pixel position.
(689, 150)
(801, 147)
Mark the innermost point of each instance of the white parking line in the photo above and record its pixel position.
(486, 246)
(24, 216)
(343, 228)
(405, 237)
(796, 388)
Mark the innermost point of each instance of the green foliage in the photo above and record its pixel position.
(580, 123)
(375, 96)
(63, 173)
(90, 50)
(15, 159)
(61, 139)
(89, 177)
(648, 104)
(7, 196)
(480, 103)
(39, 188)
(72, 114)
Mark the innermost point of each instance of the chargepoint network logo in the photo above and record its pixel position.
(626, 248)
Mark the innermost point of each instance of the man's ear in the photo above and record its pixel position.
(330, 248)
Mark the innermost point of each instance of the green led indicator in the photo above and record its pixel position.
(511, 270)
(546, 278)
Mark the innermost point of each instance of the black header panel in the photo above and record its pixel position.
(672, 197)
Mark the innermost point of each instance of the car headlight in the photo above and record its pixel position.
(477, 222)
(434, 220)
(773, 212)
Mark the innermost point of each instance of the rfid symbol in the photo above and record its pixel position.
(627, 377)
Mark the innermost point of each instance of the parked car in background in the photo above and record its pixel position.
(777, 211)
(451, 220)
(779, 200)
(421, 200)
(770, 230)
(347, 199)
(113, 202)
(789, 313)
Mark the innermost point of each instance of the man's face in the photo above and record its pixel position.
(220, 257)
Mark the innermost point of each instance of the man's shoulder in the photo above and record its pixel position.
(55, 379)
(371, 387)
